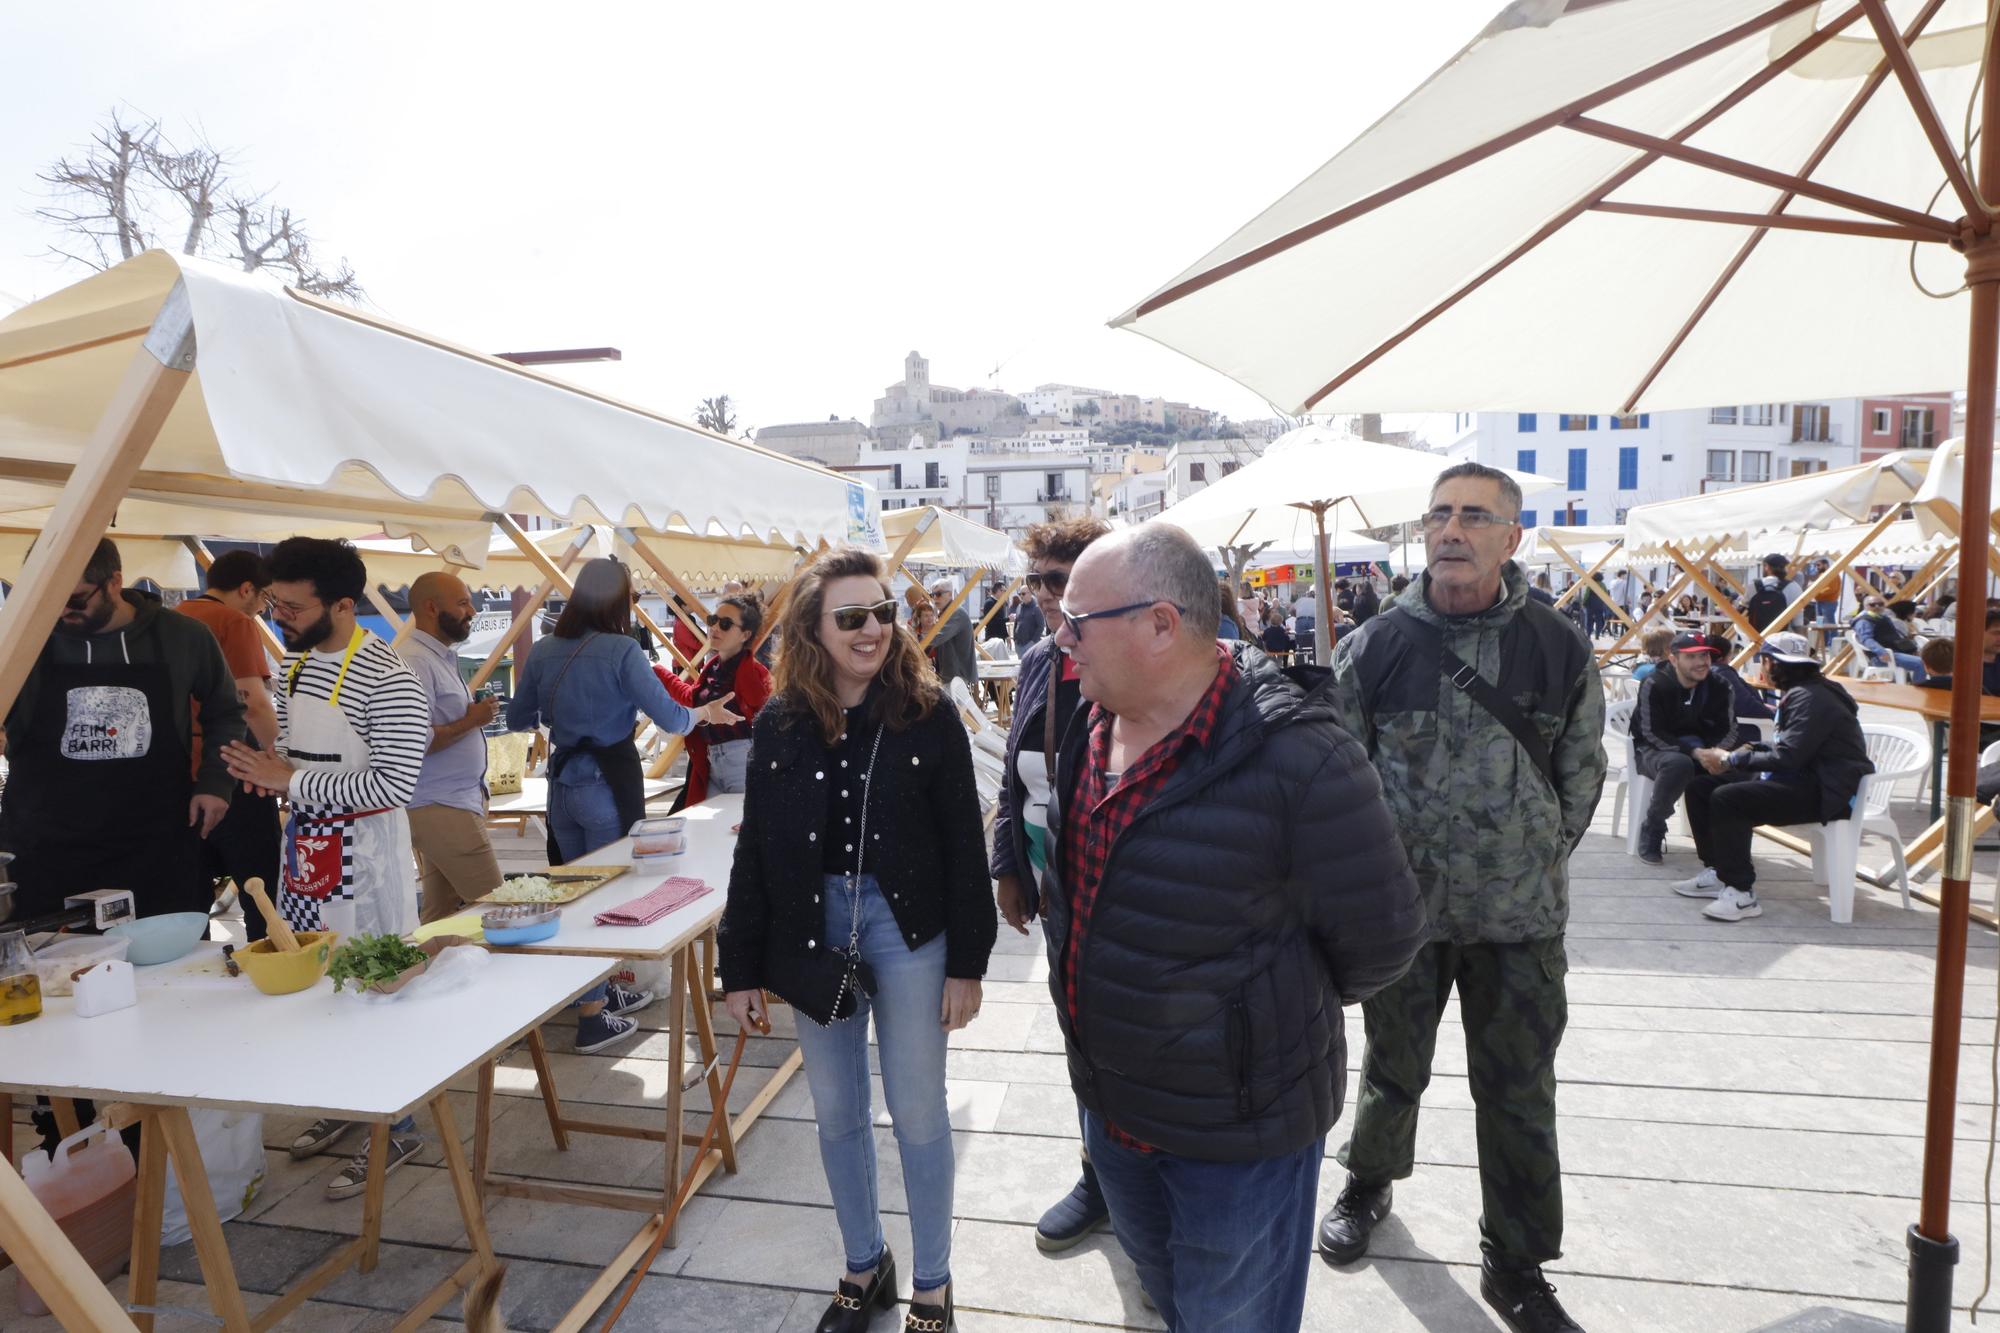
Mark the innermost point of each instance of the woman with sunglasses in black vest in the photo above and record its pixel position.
(860, 887)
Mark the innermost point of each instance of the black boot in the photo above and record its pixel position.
(1653, 844)
(1525, 1299)
(853, 1305)
(1344, 1231)
(1074, 1216)
(931, 1318)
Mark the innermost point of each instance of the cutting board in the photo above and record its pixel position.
(572, 882)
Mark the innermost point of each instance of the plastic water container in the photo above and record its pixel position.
(88, 1188)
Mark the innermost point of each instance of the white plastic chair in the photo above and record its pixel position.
(1898, 754)
(1640, 791)
(1618, 757)
(1860, 667)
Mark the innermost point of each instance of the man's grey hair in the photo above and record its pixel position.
(940, 585)
(1510, 490)
(1167, 565)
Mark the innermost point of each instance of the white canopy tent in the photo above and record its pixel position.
(1776, 509)
(1309, 485)
(933, 535)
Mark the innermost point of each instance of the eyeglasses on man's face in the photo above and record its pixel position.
(851, 618)
(1055, 580)
(1077, 620)
(1472, 520)
(82, 601)
(292, 610)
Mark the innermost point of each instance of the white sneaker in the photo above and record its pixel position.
(1705, 885)
(1733, 905)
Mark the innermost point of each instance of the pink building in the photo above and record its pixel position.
(1913, 421)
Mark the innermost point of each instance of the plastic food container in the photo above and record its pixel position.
(57, 960)
(526, 923)
(89, 1187)
(655, 842)
(276, 972)
(161, 939)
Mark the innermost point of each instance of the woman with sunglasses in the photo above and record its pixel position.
(719, 753)
(860, 887)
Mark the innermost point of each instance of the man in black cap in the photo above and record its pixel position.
(1809, 774)
(1680, 711)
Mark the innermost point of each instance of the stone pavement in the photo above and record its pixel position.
(1741, 1126)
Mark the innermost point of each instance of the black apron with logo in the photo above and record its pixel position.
(102, 801)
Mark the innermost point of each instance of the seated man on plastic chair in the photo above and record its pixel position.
(1682, 709)
(1809, 774)
(1883, 641)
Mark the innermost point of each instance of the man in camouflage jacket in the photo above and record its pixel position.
(1489, 826)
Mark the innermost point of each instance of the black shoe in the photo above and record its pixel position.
(1525, 1299)
(1075, 1215)
(931, 1318)
(1651, 854)
(1344, 1231)
(852, 1305)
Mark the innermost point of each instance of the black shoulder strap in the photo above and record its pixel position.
(1049, 715)
(1482, 691)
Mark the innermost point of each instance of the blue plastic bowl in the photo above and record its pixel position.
(161, 939)
(525, 934)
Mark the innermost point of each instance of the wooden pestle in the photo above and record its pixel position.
(281, 934)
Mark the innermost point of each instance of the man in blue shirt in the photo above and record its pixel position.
(448, 812)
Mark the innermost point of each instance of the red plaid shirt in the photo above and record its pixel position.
(1100, 814)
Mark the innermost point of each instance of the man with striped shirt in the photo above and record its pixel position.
(353, 725)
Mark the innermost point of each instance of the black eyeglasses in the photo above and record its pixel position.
(1472, 520)
(1055, 580)
(720, 622)
(854, 617)
(1077, 622)
(83, 603)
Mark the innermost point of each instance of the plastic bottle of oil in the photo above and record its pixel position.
(20, 988)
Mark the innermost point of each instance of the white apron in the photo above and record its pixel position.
(347, 871)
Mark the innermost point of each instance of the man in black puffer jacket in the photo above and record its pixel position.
(1225, 877)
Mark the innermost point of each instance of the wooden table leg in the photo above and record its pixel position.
(371, 1201)
(471, 1210)
(677, 985)
(147, 1208)
(64, 1111)
(551, 1102)
(718, 1093)
(482, 1125)
(210, 1247)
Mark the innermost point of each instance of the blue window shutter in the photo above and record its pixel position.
(1556, 518)
(1614, 423)
(1525, 423)
(1645, 420)
(1628, 469)
(1593, 423)
(1524, 460)
(1579, 469)
(1528, 518)
(1583, 518)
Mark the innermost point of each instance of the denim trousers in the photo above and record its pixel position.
(908, 1005)
(1221, 1247)
(583, 816)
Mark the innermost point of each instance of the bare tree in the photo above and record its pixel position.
(716, 414)
(132, 185)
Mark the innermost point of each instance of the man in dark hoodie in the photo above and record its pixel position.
(101, 792)
(1223, 877)
(1681, 710)
(1808, 775)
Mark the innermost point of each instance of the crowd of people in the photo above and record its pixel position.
(1225, 844)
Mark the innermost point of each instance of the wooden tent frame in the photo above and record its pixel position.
(1974, 234)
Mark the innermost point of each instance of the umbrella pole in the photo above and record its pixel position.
(1323, 625)
(1933, 1249)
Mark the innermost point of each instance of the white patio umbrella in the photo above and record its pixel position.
(1647, 204)
(1311, 482)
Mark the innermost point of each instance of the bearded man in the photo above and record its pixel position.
(102, 789)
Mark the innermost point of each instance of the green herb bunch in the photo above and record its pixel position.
(368, 959)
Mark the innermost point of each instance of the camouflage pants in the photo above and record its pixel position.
(1513, 1005)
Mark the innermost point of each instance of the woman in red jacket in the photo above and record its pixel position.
(719, 756)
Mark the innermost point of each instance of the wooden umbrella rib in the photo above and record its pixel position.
(1888, 231)
(1834, 134)
(1616, 181)
(1898, 54)
(1778, 180)
(1474, 155)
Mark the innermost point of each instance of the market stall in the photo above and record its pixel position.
(178, 398)
(937, 537)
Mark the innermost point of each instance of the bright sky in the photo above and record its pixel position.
(775, 200)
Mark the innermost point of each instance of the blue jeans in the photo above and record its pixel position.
(908, 1005)
(1910, 662)
(1221, 1247)
(583, 815)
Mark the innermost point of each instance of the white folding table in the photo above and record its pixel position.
(198, 1037)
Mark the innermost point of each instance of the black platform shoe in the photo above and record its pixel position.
(931, 1318)
(852, 1305)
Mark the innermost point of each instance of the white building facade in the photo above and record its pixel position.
(1606, 465)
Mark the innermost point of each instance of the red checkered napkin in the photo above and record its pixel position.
(672, 895)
